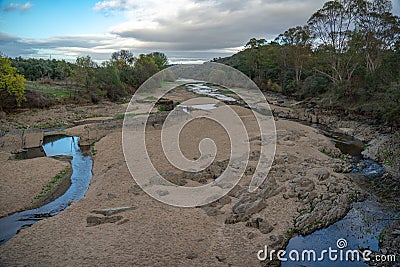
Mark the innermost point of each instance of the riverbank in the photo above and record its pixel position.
(22, 180)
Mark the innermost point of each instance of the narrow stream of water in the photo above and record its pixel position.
(361, 227)
(80, 180)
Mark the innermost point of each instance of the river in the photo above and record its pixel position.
(80, 180)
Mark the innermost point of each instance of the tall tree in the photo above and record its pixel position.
(254, 58)
(331, 28)
(85, 71)
(296, 49)
(380, 28)
(124, 57)
(144, 68)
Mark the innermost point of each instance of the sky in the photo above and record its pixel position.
(185, 30)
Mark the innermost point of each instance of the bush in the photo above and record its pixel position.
(314, 85)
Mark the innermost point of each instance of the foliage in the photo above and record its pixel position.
(347, 57)
(12, 84)
(160, 59)
(144, 68)
(84, 80)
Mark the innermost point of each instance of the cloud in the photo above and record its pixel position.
(17, 7)
(205, 24)
(180, 28)
(110, 6)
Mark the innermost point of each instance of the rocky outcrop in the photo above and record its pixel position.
(108, 217)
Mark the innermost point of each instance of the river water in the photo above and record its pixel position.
(360, 228)
(80, 180)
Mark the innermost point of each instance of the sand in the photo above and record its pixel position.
(156, 234)
(22, 180)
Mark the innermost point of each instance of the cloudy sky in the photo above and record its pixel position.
(183, 29)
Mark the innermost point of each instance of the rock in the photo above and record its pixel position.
(259, 223)
(254, 223)
(111, 196)
(221, 258)
(235, 218)
(277, 241)
(342, 168)
(62, 158)
(248, 205)
(251, 235)
(191, 255)
(236, 191)
(322, 174)
(135, 189)
(300, 186)
(212, 211)
(94, 220)
(265, 227)
(224, 201)
(122, 221)
(112, 211)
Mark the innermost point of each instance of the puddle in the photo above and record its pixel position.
(202, 89)
(80, 180)
(188, 108)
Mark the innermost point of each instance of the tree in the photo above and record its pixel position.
(123, 57)
(331, 27)
(85, 71)
(254, 56)
(12, 84)
(144, 68)
(296, 49)
(107, 79)
(160, 59)
(380, 29)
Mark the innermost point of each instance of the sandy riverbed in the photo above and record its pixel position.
(155, 234)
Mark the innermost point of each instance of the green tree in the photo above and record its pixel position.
(85, 71)
(254, 58)
(330, 27)
(144, 68)
(380, 30)
(123, 57)
(107, 79)
(12, 84)
(160, 59)
(296, 49)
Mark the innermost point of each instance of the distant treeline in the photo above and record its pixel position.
(116, 78)
(346, 57)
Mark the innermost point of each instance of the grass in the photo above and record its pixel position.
(49, 125)
(122, 116)
(225, 92)
(54, 90)
(50, 185)
(94, 151)
(390, 163)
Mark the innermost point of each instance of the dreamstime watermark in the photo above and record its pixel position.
(212, 106)
(336, 254)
